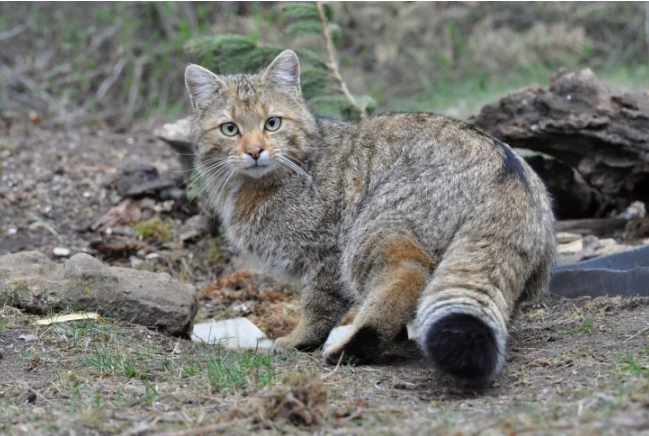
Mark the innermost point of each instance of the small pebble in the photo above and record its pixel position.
(61, 252)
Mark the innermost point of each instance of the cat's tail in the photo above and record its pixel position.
(462, 334)
(465, 309)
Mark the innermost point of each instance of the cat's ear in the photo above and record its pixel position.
(284, 71)
(201, 84)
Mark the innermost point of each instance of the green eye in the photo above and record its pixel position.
(273, 124)
(229, 129)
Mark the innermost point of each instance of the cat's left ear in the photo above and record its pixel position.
(284, 71)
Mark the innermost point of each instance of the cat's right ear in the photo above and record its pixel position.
(201, 84)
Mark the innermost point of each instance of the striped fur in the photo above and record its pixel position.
(411, 216)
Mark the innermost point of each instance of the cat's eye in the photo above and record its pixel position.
(229, 129)
(273, 124)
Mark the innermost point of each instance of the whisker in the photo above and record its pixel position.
(295, 168)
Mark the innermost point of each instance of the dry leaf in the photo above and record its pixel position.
(28, 338)
(71, 317)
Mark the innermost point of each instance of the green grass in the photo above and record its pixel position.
(586, 325)
(636, 364)
(113, 351)
(585, 328)
(153, 228)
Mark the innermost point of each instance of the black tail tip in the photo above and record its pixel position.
(464, 347)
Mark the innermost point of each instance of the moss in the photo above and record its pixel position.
(152, 229)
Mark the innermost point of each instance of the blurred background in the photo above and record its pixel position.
(95, 153)
(115, 64)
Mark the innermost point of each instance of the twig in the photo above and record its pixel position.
(12, 32)
(333, 65)
(637, 334)
(111, 79)
(340, 359)
(134, 91)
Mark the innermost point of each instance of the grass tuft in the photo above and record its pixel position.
(153, 229)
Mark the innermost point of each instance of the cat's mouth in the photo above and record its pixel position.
(257, 166)
(257, 169)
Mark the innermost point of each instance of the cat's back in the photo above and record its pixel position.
(421, 149)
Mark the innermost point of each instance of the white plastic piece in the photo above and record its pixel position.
(231, 333)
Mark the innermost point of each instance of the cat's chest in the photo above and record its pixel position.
(269, 225)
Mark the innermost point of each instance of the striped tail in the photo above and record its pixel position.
(463, 331)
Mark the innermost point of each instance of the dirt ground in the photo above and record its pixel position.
(575, 366)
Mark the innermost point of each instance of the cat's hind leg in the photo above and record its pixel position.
(392, 270)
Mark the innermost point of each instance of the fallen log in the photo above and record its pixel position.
(603, 136)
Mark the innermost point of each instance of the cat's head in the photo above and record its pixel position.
(250, 125)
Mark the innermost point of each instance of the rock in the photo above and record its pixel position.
(30, 281)
(177, 135)
(591, 244)
(637, 228)
(134, 176)
(565, 237)
(574, 247)
(609, 246)
(231, 333)
(197, 227)
(637, 209)
(144, 180)
(61, 252)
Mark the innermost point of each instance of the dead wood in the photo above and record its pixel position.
(603, 136)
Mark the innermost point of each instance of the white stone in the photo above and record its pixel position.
(565, 237)
(231, 333)
(61, 252)
(574, 247)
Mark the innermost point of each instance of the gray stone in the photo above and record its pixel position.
(177, 135)
(30, 281)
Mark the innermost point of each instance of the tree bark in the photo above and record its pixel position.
(578, 121)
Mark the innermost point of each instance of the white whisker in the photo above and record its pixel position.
(290, 164)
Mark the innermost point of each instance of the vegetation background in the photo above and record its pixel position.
(119, 63)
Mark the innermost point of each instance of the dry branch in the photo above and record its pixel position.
(332, 65)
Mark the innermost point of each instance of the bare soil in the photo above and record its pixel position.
(575, 366)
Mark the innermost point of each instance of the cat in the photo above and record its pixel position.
(413, 216)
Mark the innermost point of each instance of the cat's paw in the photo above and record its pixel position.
(287, 343)
(283, 345)
(358, 348)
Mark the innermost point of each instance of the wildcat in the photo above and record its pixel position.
(411, 216)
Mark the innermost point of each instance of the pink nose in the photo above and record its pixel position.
(254, 151)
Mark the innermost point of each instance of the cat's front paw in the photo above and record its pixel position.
(283, 345)
(287, 343)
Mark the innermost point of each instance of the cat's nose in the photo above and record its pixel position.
(254, 151)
